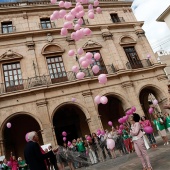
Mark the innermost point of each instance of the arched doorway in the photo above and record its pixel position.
(70, 118)
(14, 138)
(146, 97)
(111, 111)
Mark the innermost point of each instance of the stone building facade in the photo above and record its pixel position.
(37, 84)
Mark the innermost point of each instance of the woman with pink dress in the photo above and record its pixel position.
(14, 163)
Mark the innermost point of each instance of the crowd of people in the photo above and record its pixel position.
(93, 148)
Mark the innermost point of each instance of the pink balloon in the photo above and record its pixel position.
(129, 112)
(61, 4)
(133, 108)
(126, 118)
(97, 99)
(98, 132)
(80, 7)
(80, 21)
(67, 4)
(89, 55)
(52, 17)
(102, 78)
(73, 12)
(121, 120)
(64, 139)
(98, 10)
(90, 6)
(73, 35)
(75, 69)
(148, 56)
(91, 15)
(64, 31)
(87, 31)
(64, 133)
(56, 15)
(80, 51)
(151, 110)
(81, 14)
(96, 3)
(8, 125)
(95, 69)
(155, 102)
(73, 99)
(148, 129)
(120, 132)
(121, 127)
(69, 143)
(9, 163)
(26, 137)
(68, 25)
(81, 59)
(88, 138)
(71, 53)
(102, 132)
(53, 1)
(80, 75)
(69, 17)
(110, 123)
(77, 27)
(110, 144)
(97, 56)
(85, 64)
(103, 100)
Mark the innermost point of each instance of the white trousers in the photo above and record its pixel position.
(92, 156)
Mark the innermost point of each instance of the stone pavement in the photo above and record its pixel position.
(160, 160)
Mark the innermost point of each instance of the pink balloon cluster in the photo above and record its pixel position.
(98, 99)
(123, 119)
(131, 111)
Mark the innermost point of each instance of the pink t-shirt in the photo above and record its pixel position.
(14, 164)
(145, 123)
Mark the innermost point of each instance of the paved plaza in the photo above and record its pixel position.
(160, 160)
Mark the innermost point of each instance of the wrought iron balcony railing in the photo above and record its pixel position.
(8, 29)
(117, 19)
(47, 25)
(46, 80)
(138, 64)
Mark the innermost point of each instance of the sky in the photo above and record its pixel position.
(148, 11)
(157, 33)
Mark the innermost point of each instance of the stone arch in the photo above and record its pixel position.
(52, 49)
(127, 40)
(13, 139)
(70, 117)
(85, 111)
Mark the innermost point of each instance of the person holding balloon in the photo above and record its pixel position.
(111, 137)
(137, 138)
(14, 162)
(159, 123)
(145, 123)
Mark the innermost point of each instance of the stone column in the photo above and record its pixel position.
(94, 121)
(111, 49)
(144, 42)
(47, 126)
(2, 148)
(127, 84)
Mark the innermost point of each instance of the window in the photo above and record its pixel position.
(56, 69)
(12, 76)
(115, 18)
(133, 58)
(46, 23)
(100, 63)
(7, 27)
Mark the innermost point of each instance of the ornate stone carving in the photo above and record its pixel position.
(107, 36)
(90, 44)
(140, 33)
(127, 84)
(10, 55)
(49, 37)
(30, 45)
(87, 93)
(41, 103)
(70, 41)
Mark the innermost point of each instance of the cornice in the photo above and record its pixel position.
(57, 30)
(35, 6)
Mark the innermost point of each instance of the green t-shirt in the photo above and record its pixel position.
(80, 147)
(5, 167)
(21, 164)
(125, 134)
(168, 122)
(158, 124)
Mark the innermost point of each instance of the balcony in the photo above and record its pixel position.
(138, 64)
(117, 19)
(8, 29)
(47, 80)
(47, 25)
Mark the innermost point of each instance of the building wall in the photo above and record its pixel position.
(167, 20)
(42, 102)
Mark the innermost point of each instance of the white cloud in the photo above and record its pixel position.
(157, 33)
